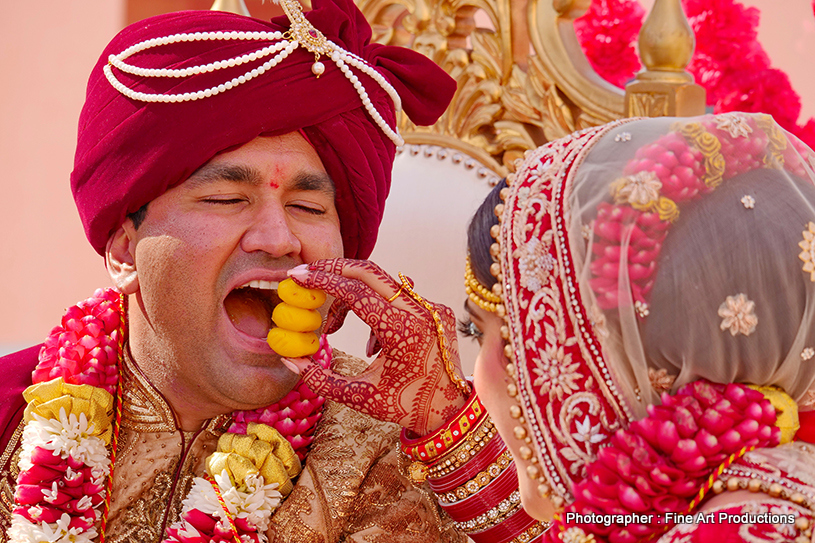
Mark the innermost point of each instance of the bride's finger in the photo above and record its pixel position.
(360, 392)
(363, 270)
(321, 381)
(361, 298)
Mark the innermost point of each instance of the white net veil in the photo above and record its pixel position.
(693, 244)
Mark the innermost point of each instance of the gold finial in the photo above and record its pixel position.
(664, 87)
(232, 6)
(666, 43)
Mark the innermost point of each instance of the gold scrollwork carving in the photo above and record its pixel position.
(522, 76)
(571, 9)
(510, 98)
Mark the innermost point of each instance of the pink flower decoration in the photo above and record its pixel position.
(85, 350)
(728, 61)
(608, 33)
(296, 415)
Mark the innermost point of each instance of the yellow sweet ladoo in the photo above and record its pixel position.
(296, 319)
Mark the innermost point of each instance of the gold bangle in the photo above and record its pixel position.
(505, 508)
(464, 452)
(531, 533)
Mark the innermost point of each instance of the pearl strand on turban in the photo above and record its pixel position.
(302, 33)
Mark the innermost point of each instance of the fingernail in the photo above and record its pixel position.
(298, 271)
(291, 365)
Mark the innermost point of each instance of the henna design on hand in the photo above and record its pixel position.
(336, 316)
(406, 383)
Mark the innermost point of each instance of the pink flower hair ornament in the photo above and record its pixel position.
(659, 463)
(679, 168)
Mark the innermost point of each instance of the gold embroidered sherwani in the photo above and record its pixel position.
(353, 486)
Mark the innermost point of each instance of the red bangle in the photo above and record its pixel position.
(477, 463)
(446, 438)
(507, 530)
(488, 497)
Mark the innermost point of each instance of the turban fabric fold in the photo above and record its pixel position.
(130, 152)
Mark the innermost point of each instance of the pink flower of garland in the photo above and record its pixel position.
(84, 350)
(296, 415)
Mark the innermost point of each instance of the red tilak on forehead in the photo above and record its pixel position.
(278, 173)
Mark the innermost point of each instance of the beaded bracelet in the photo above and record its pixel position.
(459, 456)
(494, 516)
(483, 433)
(503, 464)
(516, 528)
(425, 449)
(455, 476)
(530, 535)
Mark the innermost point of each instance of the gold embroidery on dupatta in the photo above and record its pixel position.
(288, 525)
(391, 510)
(569, 421)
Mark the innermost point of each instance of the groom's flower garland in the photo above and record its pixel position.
(64, 459)
(243, 487)
(72, 424)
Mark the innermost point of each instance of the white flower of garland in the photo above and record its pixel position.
(255, 501)
(68, 436)
(24, 530)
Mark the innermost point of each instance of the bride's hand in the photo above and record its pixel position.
(407, 383)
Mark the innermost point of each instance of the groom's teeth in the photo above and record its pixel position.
(263, 285)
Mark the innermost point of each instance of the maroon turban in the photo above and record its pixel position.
(130, 152)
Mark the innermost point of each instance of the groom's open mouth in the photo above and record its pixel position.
(250, 307)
